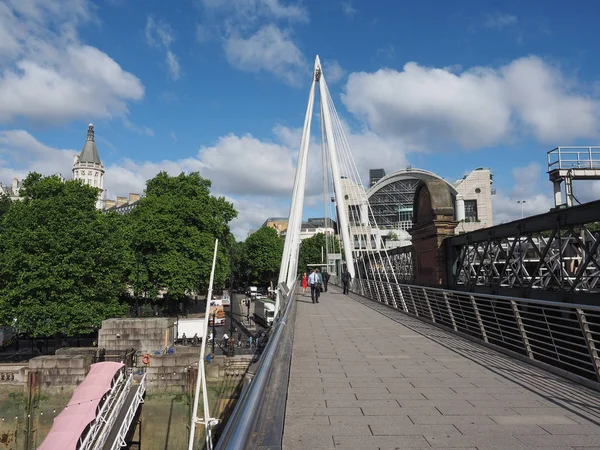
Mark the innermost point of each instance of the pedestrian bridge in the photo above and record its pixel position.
(486, 340)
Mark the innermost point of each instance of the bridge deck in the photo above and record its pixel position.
(362, 380)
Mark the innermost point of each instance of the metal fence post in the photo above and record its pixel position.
(478, 317)
(517, 314)
(428, 305)
(591, 345)
(412, 299)
(404, 307)
(450, 313)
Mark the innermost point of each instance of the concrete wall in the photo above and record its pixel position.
(60, 371)
(145, 335)
(170, 373)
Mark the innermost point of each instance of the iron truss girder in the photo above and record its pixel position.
(550, 252)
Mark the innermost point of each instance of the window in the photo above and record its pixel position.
(471, 211)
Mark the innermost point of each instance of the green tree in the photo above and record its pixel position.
(262, 256)
(239, 270)
(5, 203)
(62, 262)
(311, 248)
(173, 233)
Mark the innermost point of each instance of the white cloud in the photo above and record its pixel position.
(48, 75)
(140, 129)
(173, 136)
(479, 107)
(270, 50)
(530, 188)
(332, 71)
(253, 39)
(21, 153)
(251, 11)
(348, 9)
(500, 21)
(173, 65)
(160, 35)
(252, 213)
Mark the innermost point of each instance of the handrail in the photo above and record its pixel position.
(119, 441)
(561, 337)
(241, 429)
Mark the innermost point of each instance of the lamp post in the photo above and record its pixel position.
(522, 203)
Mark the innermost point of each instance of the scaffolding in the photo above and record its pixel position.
(392, 205)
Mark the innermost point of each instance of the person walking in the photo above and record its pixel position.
(304, 282)
(313, 281)
(346, 278)
(325, 280)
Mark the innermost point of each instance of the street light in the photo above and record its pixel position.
(522, 203)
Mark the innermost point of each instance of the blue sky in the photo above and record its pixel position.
(221, 87)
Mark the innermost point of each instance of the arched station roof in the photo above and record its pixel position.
(408, 174)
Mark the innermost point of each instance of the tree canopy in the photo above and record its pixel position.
(173, 231)
(63, 264)
(261, 258)
(311, 250)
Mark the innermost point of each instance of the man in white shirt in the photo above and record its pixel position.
(313, 282)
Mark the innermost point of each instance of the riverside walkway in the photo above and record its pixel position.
(369, 377)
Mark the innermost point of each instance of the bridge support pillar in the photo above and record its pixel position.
(433, 222)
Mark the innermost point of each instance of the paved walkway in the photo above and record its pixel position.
(361, 380)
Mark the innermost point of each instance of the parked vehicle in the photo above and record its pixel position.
(226, 300)
(264, 312)
(190, 327)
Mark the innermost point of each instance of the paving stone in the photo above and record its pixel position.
(364, 442)
(453, 441)
(395, 429)
(554, 440)
(309, 411)
(453, 420)
(488, 429)
(398, 411)
(572, 429)
(536, 420)
(385, 403)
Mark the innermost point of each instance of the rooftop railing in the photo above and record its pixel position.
(574, 158)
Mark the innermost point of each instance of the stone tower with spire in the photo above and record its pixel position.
(88, 168)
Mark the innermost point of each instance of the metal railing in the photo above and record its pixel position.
(125, 425)
(558, 335)
(574, 158)
(257, 420)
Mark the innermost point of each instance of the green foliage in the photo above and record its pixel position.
(262, 256)
(173, 230)
(62, 262)
(239, 270)
(5, 203)
(310, 251)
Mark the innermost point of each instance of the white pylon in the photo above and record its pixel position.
(289, 260)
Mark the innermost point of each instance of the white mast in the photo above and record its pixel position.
(335, 173)
(207, 421)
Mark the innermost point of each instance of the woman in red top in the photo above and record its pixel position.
(304, 283)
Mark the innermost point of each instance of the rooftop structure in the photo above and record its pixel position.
(572, 163)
